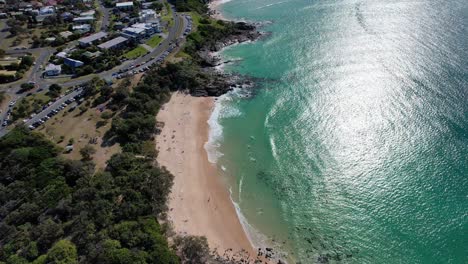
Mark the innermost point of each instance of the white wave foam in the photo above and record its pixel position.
(240, 188)
(223, 109)
(257, 239)
(272, 4)
(273, 147)
(215, 134)
(222, 2)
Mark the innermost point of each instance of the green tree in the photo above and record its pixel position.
(87, 152)
(63, 252)
(26, 86)
(26, 62)
(157, 6)
(88, 69)
(48, 232)
(54, 90)
(193, 249)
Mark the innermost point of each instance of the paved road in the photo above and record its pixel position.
(48, 110)
(54, 106)
(34, 76)
(105, 12)
(175, 32)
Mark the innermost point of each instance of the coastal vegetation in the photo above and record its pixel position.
(28, 105)
(154, 41)
(55, 210)
(17, 68)
(106, 60)
(58, 210)
(198, 6)
(135, 53)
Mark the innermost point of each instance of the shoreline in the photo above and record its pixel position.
(214, 7)
(200, 203)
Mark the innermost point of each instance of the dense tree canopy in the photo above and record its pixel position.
(55, 210)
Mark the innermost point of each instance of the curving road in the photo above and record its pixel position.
(158, 54)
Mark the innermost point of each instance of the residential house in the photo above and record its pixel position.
(133, 33)
(61, 54)
(73, 63)
(53, 70)
(92, 55)
(148, 16)
(81, 29)
(92, 39)
(67, 16)
(150, 28)
(88, 13)
(47, 10)
(115, 43)
(50, 39)
(124, 6)
(83, 20)
(65, 34)
(119, 25)
(10, 62)
(8, 75)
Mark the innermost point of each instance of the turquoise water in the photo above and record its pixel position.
(354, 147)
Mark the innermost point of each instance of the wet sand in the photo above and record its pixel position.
(200, 203)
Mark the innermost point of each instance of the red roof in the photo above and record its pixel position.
(50, 2)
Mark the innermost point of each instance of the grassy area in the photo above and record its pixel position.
(168, 8)
(80, 128)
(4, 99)
(195, 19)
(181, 54)
(154, 41)
(135, 53)
(28, 105)
(167, 17)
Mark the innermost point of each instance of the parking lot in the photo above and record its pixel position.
(140, 65)
(73, 98)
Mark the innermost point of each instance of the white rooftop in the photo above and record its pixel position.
(134, 30)
(124, 4)
(65, 34)
(53, 67)
(93, 37)
(84, 18)
(87, 26)
(147, 12)
(112, 42)
(61, 54)
(88, 13)
(141, 25)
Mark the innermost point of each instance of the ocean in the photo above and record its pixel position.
(353, 146)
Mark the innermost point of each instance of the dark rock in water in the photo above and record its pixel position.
(214, 83)
(245, 26)
(242, 32)
(323, 259)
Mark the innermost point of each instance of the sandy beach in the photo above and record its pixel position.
(214, 7)
(200, 203)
